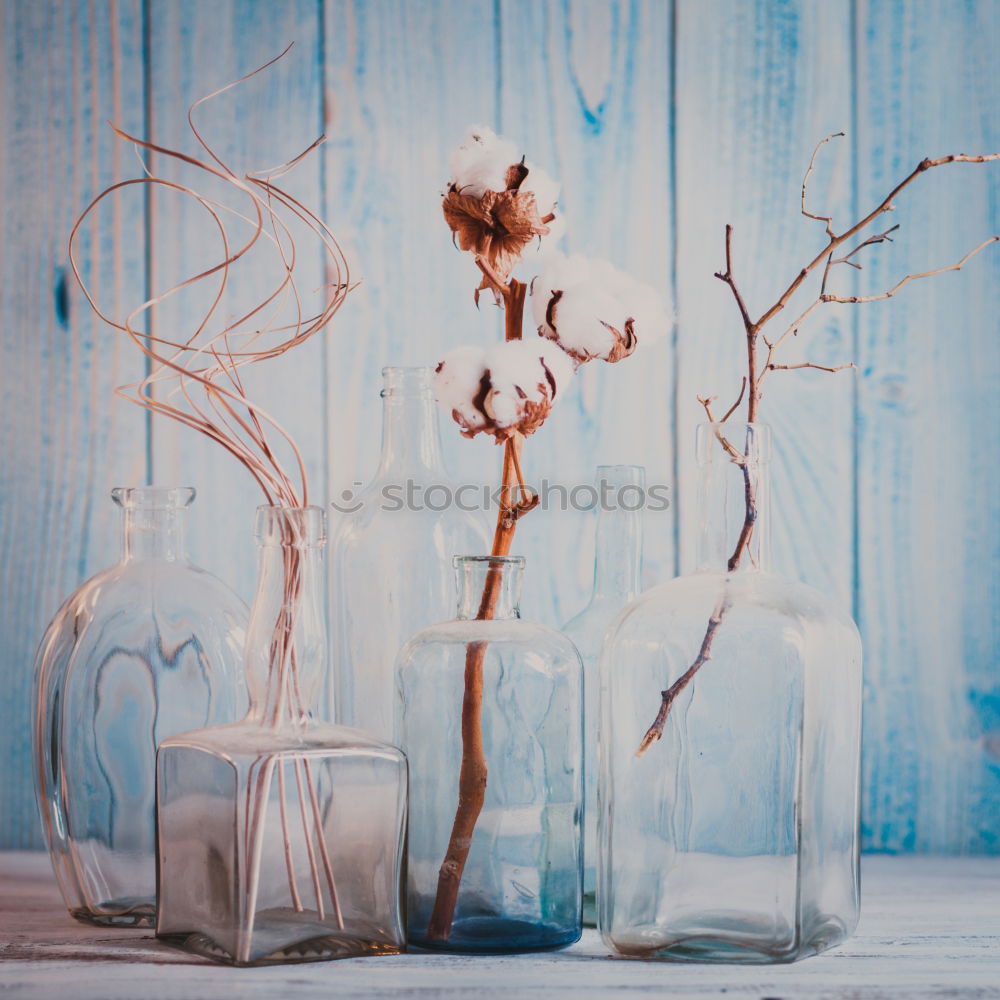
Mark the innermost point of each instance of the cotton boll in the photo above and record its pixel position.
(586, 317)
(525, 377)
(457, 385)
(543, 187)
(481, 162)
(593, 310)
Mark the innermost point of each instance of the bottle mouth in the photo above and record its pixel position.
(400, 382)
(752, 440)
(488, 561)
(292, 527)
(153, 497)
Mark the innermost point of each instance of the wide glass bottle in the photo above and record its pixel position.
(391, 555)
(280, 838)
(621, 491)
(489, 715)
(143, 650)
(734, 837)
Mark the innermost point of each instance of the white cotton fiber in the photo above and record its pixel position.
(594, 293)
(543, 187)
(481, 162)
(456, 383)
(519, 373)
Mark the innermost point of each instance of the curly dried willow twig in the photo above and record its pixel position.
(201, 375)
(198, 382)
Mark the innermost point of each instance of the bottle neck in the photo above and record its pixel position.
(153, 522)
(489, 587)
(411, 436)
(734, 497)
(286, 648)
(618, 551)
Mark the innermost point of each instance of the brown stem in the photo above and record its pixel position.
(473, 772)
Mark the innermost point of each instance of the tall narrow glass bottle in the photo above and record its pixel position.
(391, 559)
(730, 720)
(489, 716)
(621, 491)
(281, 838)
(143, 650)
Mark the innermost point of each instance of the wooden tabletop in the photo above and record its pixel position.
(930, 928)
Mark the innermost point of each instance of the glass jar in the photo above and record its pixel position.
(621, 490)
(734, 836)
(404, 527)
(141, 651)
(489, 715)
(280, 838)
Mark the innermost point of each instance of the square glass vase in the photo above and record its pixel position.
(280, 845)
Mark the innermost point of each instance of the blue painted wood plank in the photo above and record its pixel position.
(928, 84)
(195, 48)
(65, 439)
(586, 88)
(757, 88)
(402, 83)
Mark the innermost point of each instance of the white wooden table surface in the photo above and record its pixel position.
(930, 928)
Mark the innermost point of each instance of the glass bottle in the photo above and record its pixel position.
(617, 580)
(141, 651)
(280, 838)
(734, 838)
(494, 702)
(391, 561)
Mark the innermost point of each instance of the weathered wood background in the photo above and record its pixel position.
(664, 120)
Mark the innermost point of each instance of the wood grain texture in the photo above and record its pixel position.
(759, 84)
(929, 929)
(637, 106)
(928, 432)
(195, 48)
(587, 89)
(65, 440)
(403, 81)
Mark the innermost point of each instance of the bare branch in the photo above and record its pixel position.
(884, 206)
(727, 277)
(810, 364)
(877, 238)
(739, 399)
(655, 731)
(827, 220)
(911, 277)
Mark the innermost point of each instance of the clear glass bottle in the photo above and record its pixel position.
(280, 838)
(493, 704)
(143, 650)
(617, 580)
(391, 559)
(734, 838)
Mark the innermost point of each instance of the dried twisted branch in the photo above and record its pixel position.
(754, 379)
(197, 381)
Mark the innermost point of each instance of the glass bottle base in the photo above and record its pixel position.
(499, 935)
(321, 946)
(743, 947)
(123, 913)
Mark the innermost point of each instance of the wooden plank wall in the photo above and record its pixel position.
(664, 120)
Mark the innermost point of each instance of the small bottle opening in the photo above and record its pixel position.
(291, 526)
(402, 382)
(153, 497)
